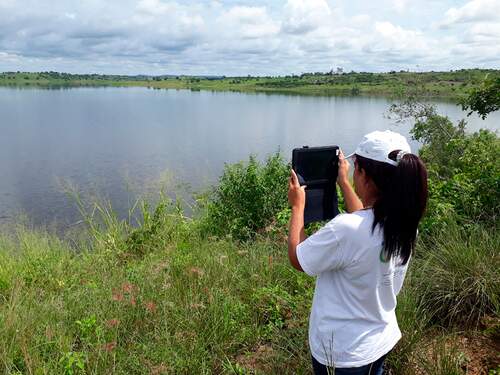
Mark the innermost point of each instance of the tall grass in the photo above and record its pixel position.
(413, 321)
(165, 298)
(157, 298)
(458, 275)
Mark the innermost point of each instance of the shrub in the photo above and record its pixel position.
(484, 99)
(273, 304)
(464, 173)
(158, 228)
(248, 197)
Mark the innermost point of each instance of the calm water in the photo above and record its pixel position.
(118, 143)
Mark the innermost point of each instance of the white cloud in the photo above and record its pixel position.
(247, 22)
(382, 47)
(303, 16)
(473, 11)
(400, 5)
(245, 37)
(396, 34)
(490, 31)
(8, 57)
(474, 33)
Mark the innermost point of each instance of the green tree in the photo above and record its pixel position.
(484, 99)
(464, 174)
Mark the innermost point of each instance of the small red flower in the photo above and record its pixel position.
(109, 346)
(150, 306)
(112, 323)
(117, 295)
(196, 271)
(127, 287)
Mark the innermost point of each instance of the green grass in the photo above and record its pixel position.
(459, 275)
(188, 304)
(162, 298)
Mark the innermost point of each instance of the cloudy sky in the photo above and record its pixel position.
(239, 37)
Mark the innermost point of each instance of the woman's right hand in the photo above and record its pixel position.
(343, 175)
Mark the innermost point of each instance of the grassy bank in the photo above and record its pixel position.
(216, 294)
(164, 298)
(454, 85)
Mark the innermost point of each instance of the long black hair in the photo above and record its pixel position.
(401, 200)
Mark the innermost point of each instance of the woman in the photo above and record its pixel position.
(360, 258)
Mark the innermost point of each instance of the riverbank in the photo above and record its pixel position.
(453, 85)
(163, 298)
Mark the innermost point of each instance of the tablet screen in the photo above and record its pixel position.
(317, 167)
(316, 164)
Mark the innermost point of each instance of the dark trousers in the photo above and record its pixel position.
(375, 368)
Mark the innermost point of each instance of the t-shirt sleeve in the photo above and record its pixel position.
(399, 277)
(321, 252)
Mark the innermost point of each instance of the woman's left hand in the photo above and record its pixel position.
(296, 193)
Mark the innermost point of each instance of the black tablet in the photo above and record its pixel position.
(317, 167)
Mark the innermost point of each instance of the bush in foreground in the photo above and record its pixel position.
(248, 197)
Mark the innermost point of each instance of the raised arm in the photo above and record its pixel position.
(352, 201)
(296, 234)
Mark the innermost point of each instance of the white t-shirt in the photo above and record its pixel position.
(353, 320)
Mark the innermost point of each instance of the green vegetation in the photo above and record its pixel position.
(458, 277)
(215, 293)
(453, 84)
(484, 99)
(249, 198)
(464, 173)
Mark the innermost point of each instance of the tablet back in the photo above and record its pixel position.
(317, 167)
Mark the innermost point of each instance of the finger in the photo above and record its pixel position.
(341, 155)
(294, 177)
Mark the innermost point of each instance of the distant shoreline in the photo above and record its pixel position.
(451, 85)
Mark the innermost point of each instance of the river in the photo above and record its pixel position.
(121, 143)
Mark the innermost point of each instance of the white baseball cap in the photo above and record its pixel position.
(378, 145)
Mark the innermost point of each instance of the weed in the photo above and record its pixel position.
(458, 275)
(89, 332)
(73, 362)
(442, 358)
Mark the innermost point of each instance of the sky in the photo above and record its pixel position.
(240, 37)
